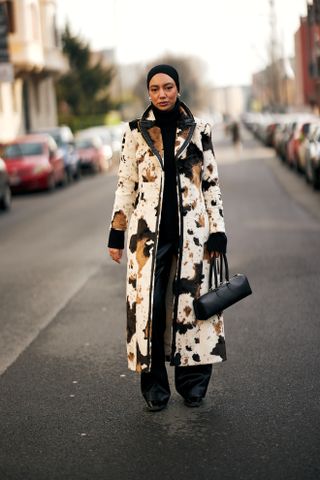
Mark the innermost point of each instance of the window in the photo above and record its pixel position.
(10, 12)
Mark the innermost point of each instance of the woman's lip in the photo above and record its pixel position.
(163, 103)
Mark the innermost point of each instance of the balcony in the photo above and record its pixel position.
(33, 39)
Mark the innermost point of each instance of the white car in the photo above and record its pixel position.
(312, 158)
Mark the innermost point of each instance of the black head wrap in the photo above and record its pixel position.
(168, 70)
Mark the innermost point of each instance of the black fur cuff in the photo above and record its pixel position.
(116, 239)
(217, 242)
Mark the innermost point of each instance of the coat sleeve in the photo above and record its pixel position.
(127, 185)
(210, 184)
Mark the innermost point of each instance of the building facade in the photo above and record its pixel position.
(230, 101)
(274, 87)
(29, 101)
(307, 51)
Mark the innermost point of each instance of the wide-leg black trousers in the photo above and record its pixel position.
(190, 381)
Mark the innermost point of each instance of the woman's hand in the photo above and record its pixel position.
(115, 254)
(215, 255)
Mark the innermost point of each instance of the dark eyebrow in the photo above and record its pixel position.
(165, 85)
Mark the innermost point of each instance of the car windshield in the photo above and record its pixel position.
(17, 150)
(57, 138)
(85, 143)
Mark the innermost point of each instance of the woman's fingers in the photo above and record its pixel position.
(115, 254)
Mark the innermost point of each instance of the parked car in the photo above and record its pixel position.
(5, 191)
(106, 139)
(307, 130)
(64, 138)
(285, 137)
(278, 138)
(91, 153)
(34, 162)
(270, 129)
(294, 151)
(312, 168)
(293, 144)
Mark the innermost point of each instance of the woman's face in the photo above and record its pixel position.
(163, 91)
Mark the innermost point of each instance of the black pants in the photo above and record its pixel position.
(190, 381)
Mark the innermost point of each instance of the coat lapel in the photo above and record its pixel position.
(152, 133)
(185, 129)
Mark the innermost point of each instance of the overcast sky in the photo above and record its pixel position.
(231, 36)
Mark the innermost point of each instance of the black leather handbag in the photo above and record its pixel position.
(225, 294)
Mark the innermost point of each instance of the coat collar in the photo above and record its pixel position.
(149, 130)
(185, 120)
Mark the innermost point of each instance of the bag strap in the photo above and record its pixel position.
(226, 266)
(223, 265)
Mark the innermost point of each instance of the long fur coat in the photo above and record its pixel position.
(137, 208)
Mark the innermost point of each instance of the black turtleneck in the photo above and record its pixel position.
(169, 224)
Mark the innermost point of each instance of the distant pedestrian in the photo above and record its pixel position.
(235, 133)
(169, 199)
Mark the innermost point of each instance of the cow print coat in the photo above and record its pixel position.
(137, 208)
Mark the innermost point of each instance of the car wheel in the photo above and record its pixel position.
(297, 165)
(66, 179)
(290, 163)
(51, 183)
(5, 202)
(70, 176)
(315, 177)
(307, 170)
(95, 168)
(78, 173)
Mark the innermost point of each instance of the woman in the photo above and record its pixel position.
(235, 133)
(168, 197)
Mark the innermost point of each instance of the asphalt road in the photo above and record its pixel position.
(69, 409)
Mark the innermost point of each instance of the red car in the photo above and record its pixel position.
(34, 163)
